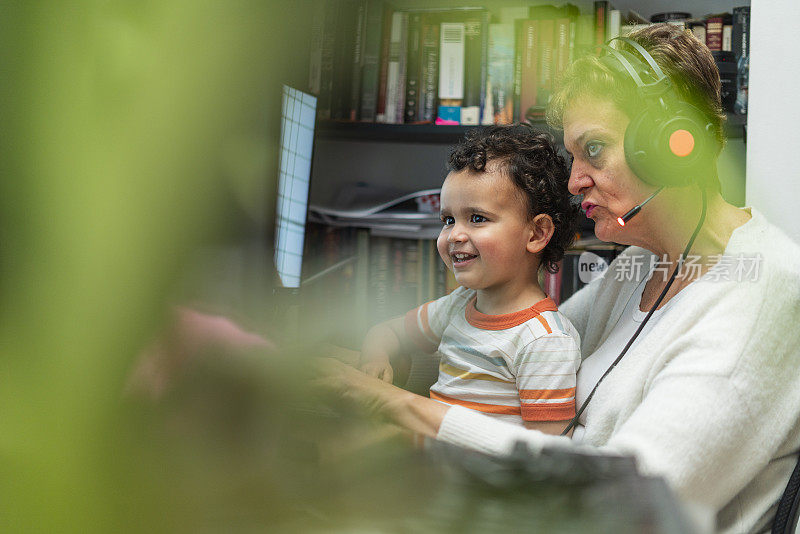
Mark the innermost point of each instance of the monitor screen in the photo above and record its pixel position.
(297, 142)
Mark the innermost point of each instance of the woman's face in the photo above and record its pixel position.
(594, 131)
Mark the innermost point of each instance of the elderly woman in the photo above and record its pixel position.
(707, 391)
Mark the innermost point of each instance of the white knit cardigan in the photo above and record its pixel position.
(709, 399)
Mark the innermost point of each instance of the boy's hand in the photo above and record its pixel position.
(379, 368)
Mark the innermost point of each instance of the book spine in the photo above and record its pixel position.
(529, 68)
(393, 74)
(519, 59)
(327, 53)
(361, 284)
(343, 63)
(501, 72)
(358, 61)
(397, 292)
(714, 33)
(372, 51)
(545, 61)
(383, 73)
(600, 21)
(573, 39)
(315, 59)
(433, 261)
(562, 46)
(484, 77)
(410, 273)
(402, 72)
(451, 61)
(422, 271)
(699, 31)
(472, 72)
(413, 60)
(379, 279)
(613, 24)
(584, 36)
(727, 34)
(430, 68)
(740, 36)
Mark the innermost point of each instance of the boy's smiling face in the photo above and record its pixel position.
(486, 231)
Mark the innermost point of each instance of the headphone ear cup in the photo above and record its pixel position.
(670, 147)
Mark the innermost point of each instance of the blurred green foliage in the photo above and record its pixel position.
(133, 133)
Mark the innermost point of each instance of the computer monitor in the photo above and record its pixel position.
(296, 150)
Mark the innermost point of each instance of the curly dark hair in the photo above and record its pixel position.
(531, 160)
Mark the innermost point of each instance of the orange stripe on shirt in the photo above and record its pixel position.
(541, 394)
(485, 408)
(544, 324)
(548, 412)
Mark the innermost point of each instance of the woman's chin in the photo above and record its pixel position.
(609, 231)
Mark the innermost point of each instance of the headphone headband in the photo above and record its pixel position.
(662, 82)
(645, 55)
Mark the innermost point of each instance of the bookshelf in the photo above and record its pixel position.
(400, 158)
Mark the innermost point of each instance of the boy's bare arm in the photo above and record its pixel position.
(386, 350)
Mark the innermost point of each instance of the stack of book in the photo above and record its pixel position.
(372, 62)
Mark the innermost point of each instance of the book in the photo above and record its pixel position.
(473, 66)
(727, 34)
(379, 294)
(501, 72)
(545, 60)
(370, 71)
(698, 28)
(347, 20)
(601, 8)
(357, 61)
(315, 58)
(383, 70)
(714, 33)
(526, 68)
(324, 60)
(413, 62)
(563, 39)
(361, 285)
(613, 24)
(429, 78)
(395, 78)
(584, 36)
(740, 35)
(411, 271)
(476, 67)
(451, 60)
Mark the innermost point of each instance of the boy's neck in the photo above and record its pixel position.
(509, 298)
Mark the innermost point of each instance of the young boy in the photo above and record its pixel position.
(505, 349)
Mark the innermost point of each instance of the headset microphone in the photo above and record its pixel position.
(636, 209)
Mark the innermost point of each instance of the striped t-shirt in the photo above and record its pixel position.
(518, 367)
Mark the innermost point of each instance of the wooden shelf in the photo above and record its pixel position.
(431, 133)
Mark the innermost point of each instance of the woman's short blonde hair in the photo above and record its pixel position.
(685, 60)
